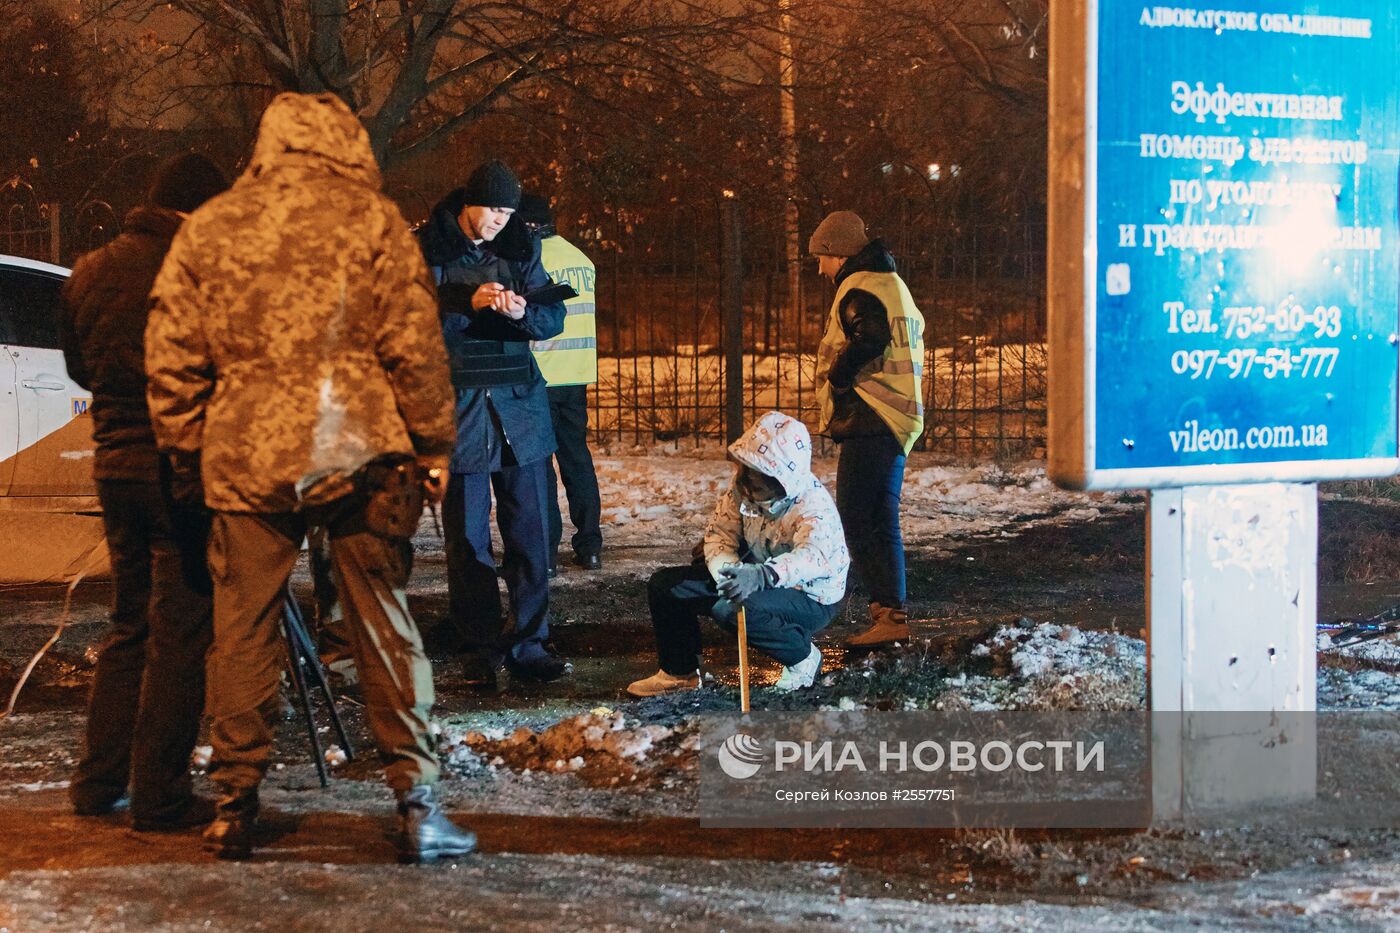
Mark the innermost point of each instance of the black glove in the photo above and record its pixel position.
(737, 584)
(186, 479)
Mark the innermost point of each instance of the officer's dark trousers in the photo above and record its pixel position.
(148, 693)
(568, 409)
(781, 622)
(473, 596)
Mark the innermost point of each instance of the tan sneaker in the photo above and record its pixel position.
(887, 625)
(662, 683)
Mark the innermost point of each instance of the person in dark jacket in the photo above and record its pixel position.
(869, 385)
(148, 692)
(484, 261)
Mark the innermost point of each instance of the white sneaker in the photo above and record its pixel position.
(662, 683)
(801, 675)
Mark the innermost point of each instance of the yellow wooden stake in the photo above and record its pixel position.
(743, 660)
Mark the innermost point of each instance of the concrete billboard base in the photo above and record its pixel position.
(1232, 612)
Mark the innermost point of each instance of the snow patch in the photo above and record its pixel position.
(36, 786)
(659, 500)
(1376, 651)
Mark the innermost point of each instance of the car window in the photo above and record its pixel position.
(29, 308)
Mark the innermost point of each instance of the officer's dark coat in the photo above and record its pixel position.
(502, 406)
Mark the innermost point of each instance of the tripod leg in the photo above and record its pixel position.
(297, 630)
(294, 658)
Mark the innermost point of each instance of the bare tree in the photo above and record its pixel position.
(42, 109)
(417, 71)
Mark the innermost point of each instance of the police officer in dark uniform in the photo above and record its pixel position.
(484, 262)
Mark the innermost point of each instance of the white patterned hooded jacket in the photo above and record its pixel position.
(799, 537)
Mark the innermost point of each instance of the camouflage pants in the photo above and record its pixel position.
(250, 557)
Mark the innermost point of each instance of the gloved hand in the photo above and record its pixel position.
(186, 479)
(737, 584)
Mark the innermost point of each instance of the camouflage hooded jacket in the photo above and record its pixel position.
(295, 332)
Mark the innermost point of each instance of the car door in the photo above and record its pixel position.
(9, 409)
(55, 446)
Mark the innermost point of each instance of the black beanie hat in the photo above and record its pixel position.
(185, 181)
(535, 210)
(493, 184)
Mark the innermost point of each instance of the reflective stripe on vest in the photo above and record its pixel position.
(563, 343)
(893, 389)
(572, 357)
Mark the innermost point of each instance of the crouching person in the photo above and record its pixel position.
(294, 348)
(774, 546)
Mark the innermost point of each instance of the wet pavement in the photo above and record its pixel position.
(557, 852)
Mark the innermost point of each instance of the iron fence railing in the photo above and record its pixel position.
(661, 339)
(48, 231)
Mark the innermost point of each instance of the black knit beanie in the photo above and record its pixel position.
(493, 184)
(185, 181)
(535, 210)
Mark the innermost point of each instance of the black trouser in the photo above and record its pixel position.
(781, 622)
(148, 693)
(568, 409)
(473, 594)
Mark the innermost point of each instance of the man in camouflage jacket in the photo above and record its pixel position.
(294, 340)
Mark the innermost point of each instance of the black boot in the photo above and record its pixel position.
(187, 814)
(541, 669)
(230, 836)
(425, 833)
(479, 672)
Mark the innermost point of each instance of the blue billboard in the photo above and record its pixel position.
(1242, 174)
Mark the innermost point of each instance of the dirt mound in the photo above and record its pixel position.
(601, 747)
(1357, 542)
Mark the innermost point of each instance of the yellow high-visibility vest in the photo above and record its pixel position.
(571, 358)
(892, 385)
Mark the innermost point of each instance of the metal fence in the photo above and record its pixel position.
(661, 334)
(662, 340)
(47, 231)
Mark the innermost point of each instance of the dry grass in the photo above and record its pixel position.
(997, 845)
(1358, 542)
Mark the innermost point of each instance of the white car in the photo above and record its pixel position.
(48, 503)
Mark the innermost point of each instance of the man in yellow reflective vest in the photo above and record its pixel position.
(870, 387)
(569, 364)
